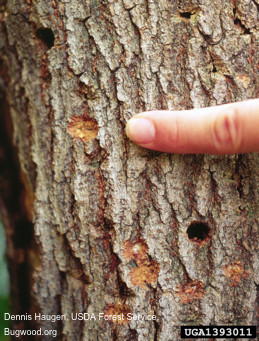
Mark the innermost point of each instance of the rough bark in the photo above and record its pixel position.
(111, 219)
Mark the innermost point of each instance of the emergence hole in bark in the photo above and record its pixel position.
(46, 35)
(198, 231)
(186, 15)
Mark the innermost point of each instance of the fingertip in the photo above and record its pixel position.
(230, 128)
(141, 130)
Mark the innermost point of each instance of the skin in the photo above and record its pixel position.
(225, 129)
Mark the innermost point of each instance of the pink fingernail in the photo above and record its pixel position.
(140, 130)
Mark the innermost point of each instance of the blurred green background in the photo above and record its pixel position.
(4, 286)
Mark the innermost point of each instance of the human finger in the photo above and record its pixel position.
(226, 129)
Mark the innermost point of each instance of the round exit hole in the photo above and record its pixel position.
(47, 36)
(198, 232)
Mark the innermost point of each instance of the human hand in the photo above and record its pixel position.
(225, 129)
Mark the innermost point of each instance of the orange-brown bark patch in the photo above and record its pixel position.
(235, 272)
(144, 274)
(137, 251)
(82, 128)
(117, 313)
(191, 291)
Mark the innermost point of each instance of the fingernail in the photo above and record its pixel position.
(140, 130)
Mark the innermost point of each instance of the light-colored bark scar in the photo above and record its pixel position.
(82, 128)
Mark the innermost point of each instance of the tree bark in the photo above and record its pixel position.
(119, 229)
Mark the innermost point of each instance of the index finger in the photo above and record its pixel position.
(226, 129)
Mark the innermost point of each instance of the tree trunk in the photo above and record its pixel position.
(119, 229)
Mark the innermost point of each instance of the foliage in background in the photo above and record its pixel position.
(4, 286)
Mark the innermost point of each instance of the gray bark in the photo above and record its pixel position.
(111, 219)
